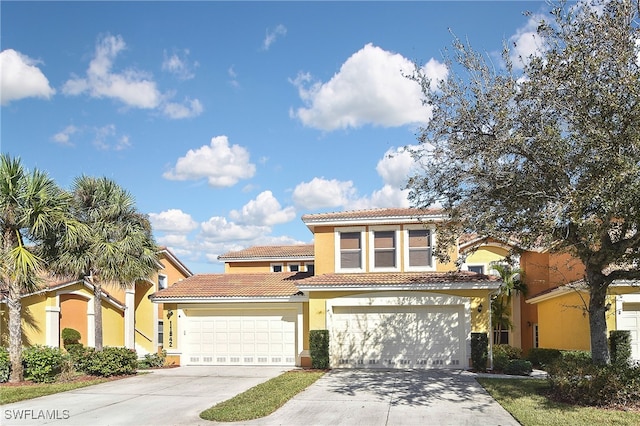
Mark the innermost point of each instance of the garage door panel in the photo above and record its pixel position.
(232, 339)
(397, 336)
(629, 319)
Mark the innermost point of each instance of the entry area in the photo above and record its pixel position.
(399, 331)
(240, 336)
(628, 318)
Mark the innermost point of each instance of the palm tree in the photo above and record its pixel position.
(512, 283)
(34, 222)
(120, 249)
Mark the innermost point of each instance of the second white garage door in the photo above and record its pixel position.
(240, 338)
(388, 332)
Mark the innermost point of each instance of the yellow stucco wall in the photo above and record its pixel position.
(324, 250)
(485, 255)
(112, 326)
(145, 326)
(33, 319)
(563, 322)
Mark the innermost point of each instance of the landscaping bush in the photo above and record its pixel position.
(620, 346)
(578, 357)
(479, 351)
(70, 336)
(153, 360)
(112, 361)
(518, 367)
(5, 365)
(576, 382)
(541, 357)
(81, 357)
(502, 354)
(42, 363)
(319, 348)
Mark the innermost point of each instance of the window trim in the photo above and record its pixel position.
(372, 248)
(166, 281)
(363, 248)
(477, 265)
(289, 265)
(405, 247)
(273, 265)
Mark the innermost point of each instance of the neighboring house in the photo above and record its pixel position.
(375, 285)
(129, 318)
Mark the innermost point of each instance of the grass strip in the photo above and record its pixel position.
(14, 393)
(526, 401)
(263, 399)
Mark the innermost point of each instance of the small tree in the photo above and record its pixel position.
(512, 283)
(546, 149)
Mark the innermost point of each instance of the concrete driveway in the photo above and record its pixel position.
(393, 397)
(342, 397)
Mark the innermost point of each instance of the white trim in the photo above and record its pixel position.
(273, 265)
(310, 222)
(363, 248)
(166, 281)
(559, 291)
(130, 318)
(405, 287)
(52, 324)
(405, 247)
(372, 248)
(217, 300)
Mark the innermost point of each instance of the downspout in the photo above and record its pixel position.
(492, 294)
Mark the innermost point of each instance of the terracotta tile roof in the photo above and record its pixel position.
(410, 213)
(268, 284)
(396, 278)
(271, 252)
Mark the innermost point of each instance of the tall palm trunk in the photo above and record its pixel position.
(97, 311)
(15, 332)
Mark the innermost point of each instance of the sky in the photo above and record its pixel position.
(228, 121)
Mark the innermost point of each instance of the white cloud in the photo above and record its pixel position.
(173, 221)
(233, 75)
(526, 42)
(107, 139)
(264, 210)
(131, 87)
(218, 229)
(134, 88)
(222, 165)
(20, 78)
(321, 193)
(64, 137)
(179, 65)
(191, 108)
(272, 35)
(395, 167)
(371, 88)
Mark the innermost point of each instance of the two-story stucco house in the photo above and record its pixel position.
(370, 278)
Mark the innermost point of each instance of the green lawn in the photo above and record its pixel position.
(15, 393)
(263, 399)
(524, 399)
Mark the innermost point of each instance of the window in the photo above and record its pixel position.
(350, 250)
(160, 333)
(276, 267)
(419, 248)
(162, 282)
(294, 267)
(384, 247)
(535, 335)
(310, 267)
(478, 269)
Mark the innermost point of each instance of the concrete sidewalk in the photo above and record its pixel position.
(174, 396)
(393, 397)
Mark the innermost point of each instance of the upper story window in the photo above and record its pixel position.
(384, 251)
(162, 282)
(349, 250)
(418, 246)
(294, 267)
(276, 267)
(310, 268)
(478, 269)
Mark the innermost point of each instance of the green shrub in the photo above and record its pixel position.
(70, 336)
(576, 382)
(479, 351)
(112, 361)
(319, 348)
(153, 360)
(578, 357)
(542, 357)
(620, 346)
(42, 363)
(5, 365)
(518, 367)
(81, 357)
(502, 354)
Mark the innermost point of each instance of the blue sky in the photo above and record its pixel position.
(228, 121)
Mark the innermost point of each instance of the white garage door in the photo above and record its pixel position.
(236, 338)
(399, 336)
(629, 319)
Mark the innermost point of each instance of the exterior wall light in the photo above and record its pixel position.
(480, 307)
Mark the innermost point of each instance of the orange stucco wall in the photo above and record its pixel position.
(73, 314)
